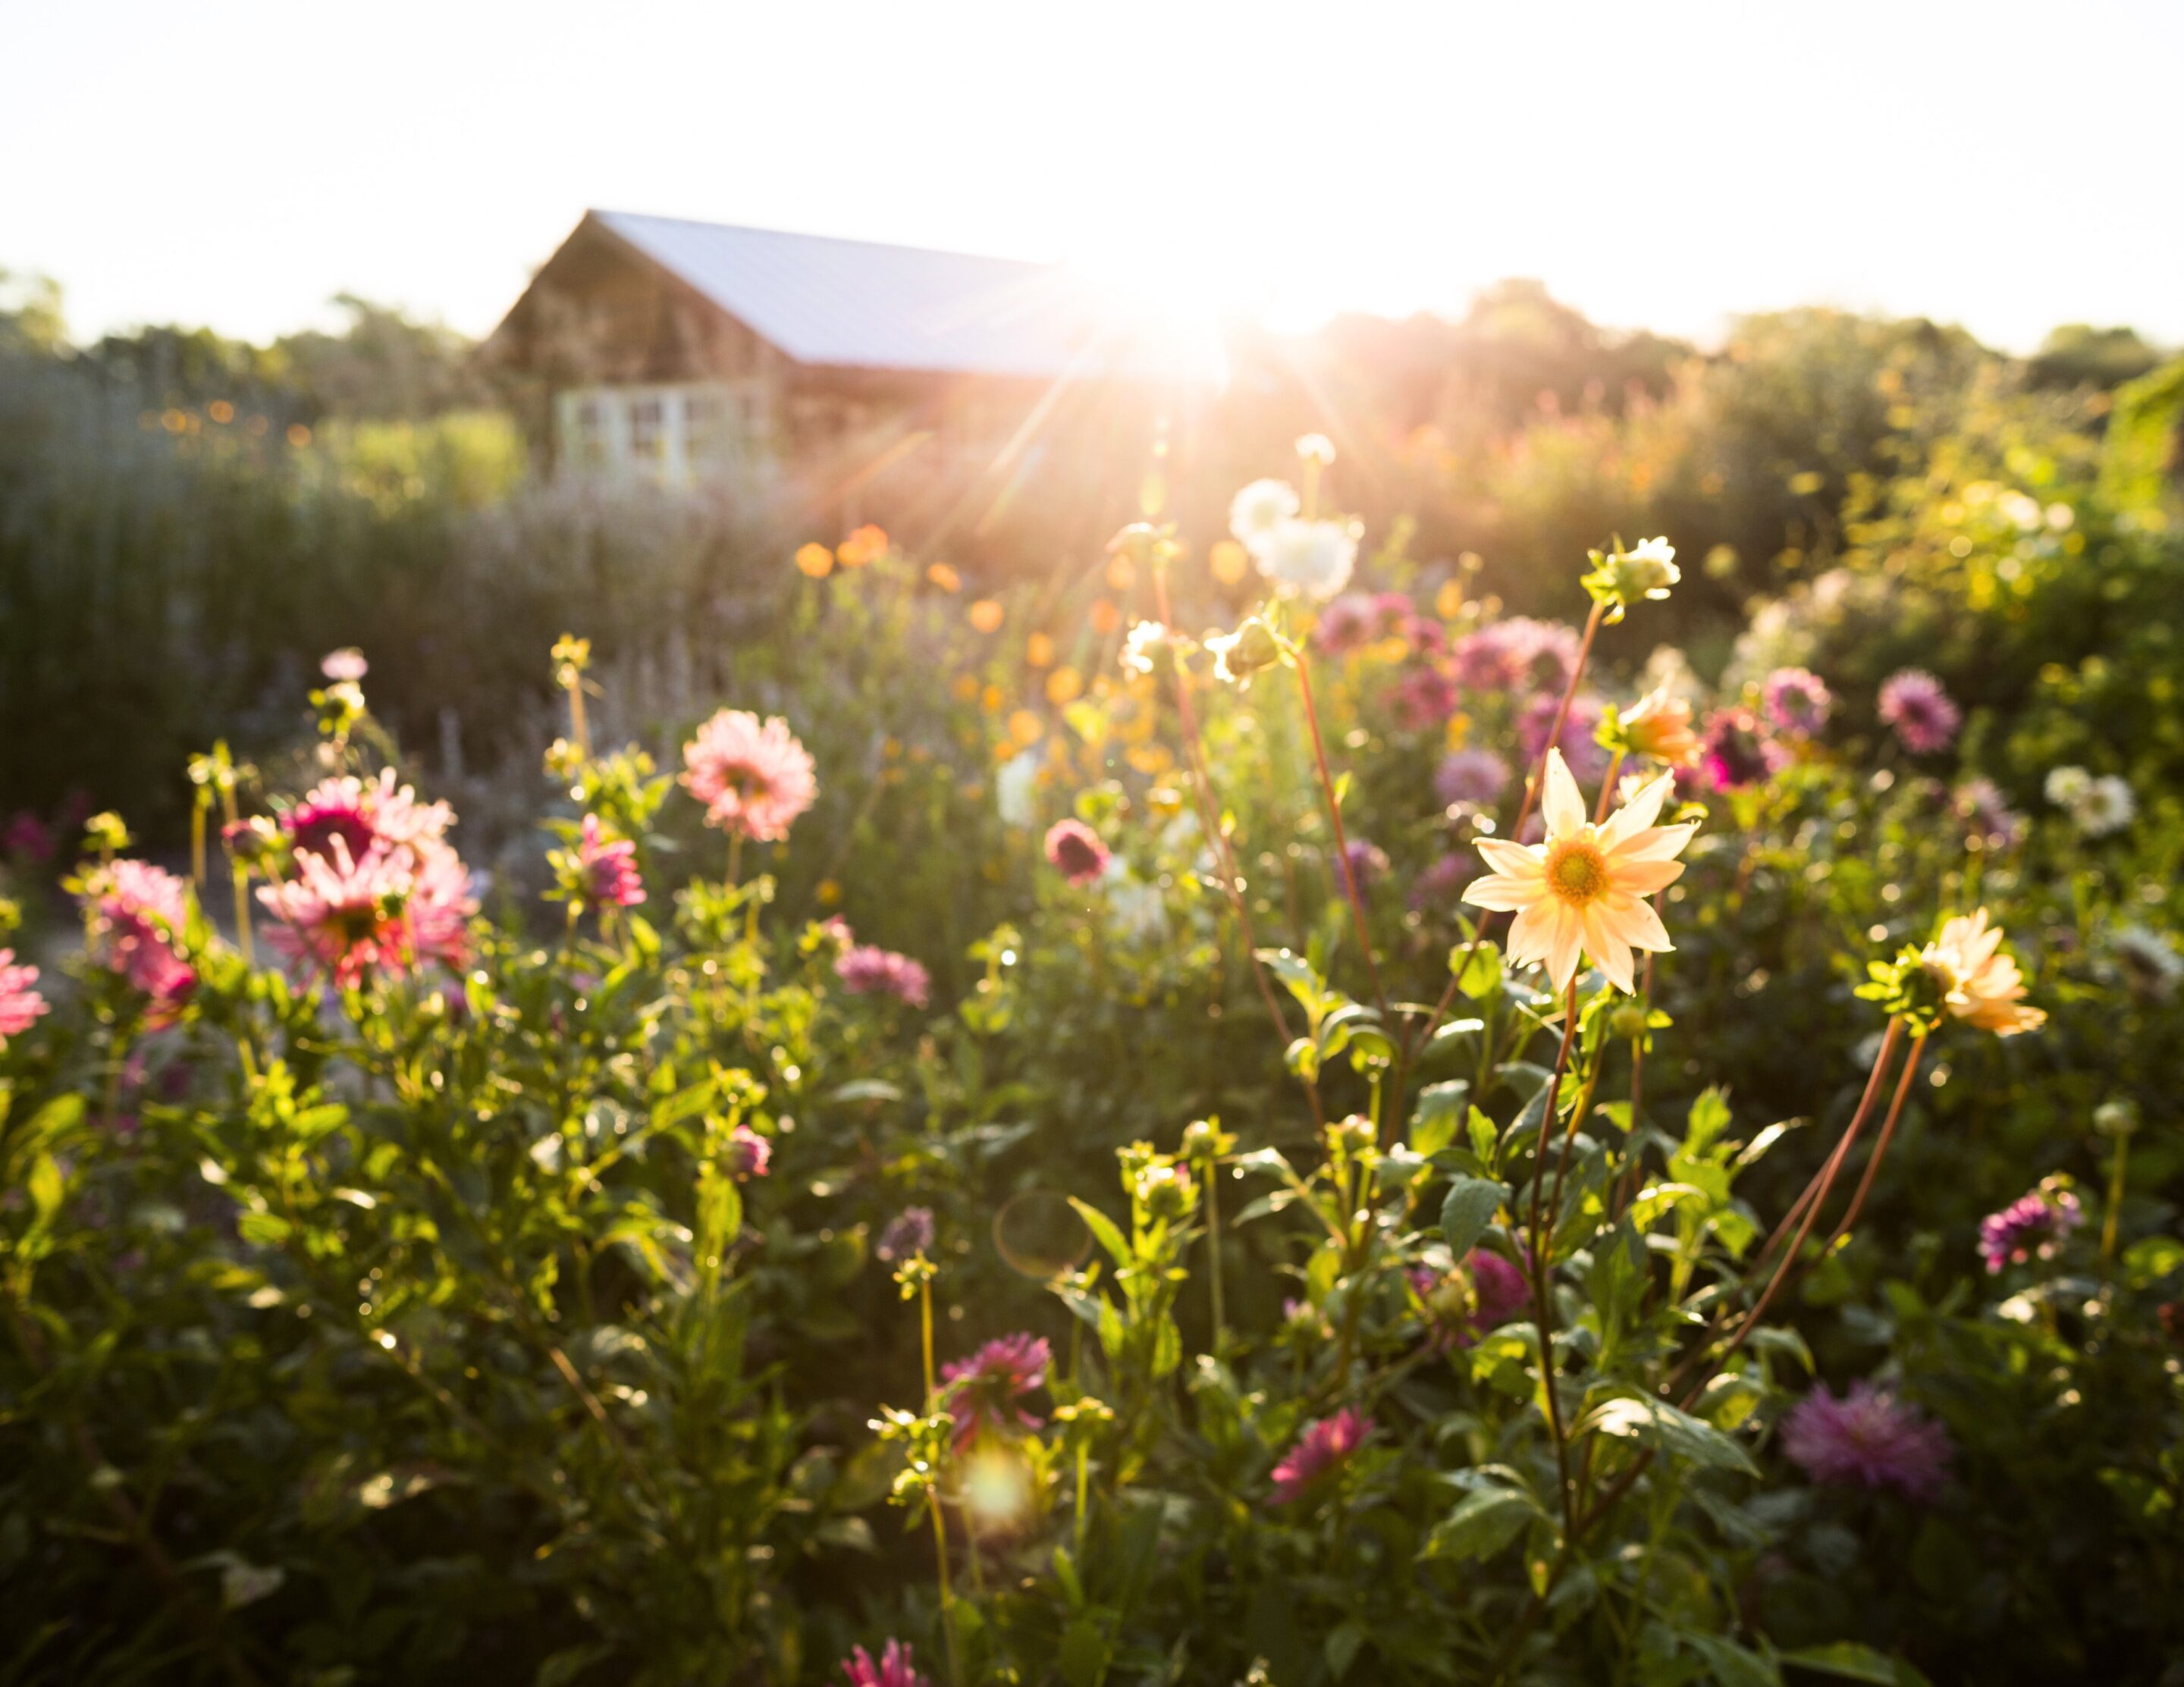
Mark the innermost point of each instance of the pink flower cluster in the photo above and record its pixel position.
(20, 1005)
(1519, 654)
(2032, 1225)
(985, 1391)
(896, 1668)
(1869, 1438)
(1357, 619)
(1580, 748)
(1320, 1449)
(867, 970)
(753, 776)
(749, 1153)
(137, 915)
(371, 884)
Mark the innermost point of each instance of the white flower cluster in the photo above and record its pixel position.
(2096, 807)
(1312, 558)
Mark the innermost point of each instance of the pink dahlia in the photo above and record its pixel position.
(753, 776)
(343, 914)
(440, 908)
(894, 1669)
(1477, 777)
(362, 813)
(19, 1003)
(2032, 1224)
(138, 914)
(608, 868)
(749, 1153)
(1474, 1299)
(986, 1388)
(1912, 702)
(1076, 851)
(1322, 1446)
(1738, 752)
(1798, 701)
(1869, 1438)
(867, 970)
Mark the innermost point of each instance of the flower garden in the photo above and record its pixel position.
(1260, 1118)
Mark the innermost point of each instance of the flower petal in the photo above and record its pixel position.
(1562, 802)
(1635, 923)
(1660, 843)
(1569, 941)
(1610, 952)
(1638, 813)
(1502, 894)
(1643, 879)
(1532, 933)
(1514, 860)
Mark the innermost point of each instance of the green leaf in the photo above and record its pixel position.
(47, 1186)
(1732, 1665)
(1481, 976)
(1103, 1228)
(1342, 1647)
(1485, 1521)
(1847, 1659)
(1083, 1658)
(262, 1229)
(1470, 1207)
(1433, 1120)
(1677, 1434)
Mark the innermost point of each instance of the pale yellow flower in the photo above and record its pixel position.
(1659, 725)
(1981, 986)
(1584, 890)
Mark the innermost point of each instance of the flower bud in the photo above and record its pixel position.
(1240, 655)
(1620, 579)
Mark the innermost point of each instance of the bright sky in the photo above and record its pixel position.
(2005, 166)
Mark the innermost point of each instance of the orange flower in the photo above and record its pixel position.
(868, 544)
(965, 688)
(816, 561)
(1585, 888)
(1660, 726)
(1121, 573)
(1105, 617)
(1039, 650)
(1229, 561)
(1026, 727)
(946, 578)
(1981, 985)
(1064, 685)
(986, 614)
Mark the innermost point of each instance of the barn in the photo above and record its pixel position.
(827, 377)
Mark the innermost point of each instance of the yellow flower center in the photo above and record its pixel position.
(1577, 872)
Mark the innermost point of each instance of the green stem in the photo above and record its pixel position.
(1341, 843)
(1213, 1244)
(2115, 1199)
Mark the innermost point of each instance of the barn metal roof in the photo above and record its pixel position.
(859, 304)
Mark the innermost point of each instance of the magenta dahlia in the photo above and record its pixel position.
(895, 1668)
(1798, 701)
(1870, 1439)
(985, 1391)
(2033, 1225)
(1320, 1449)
